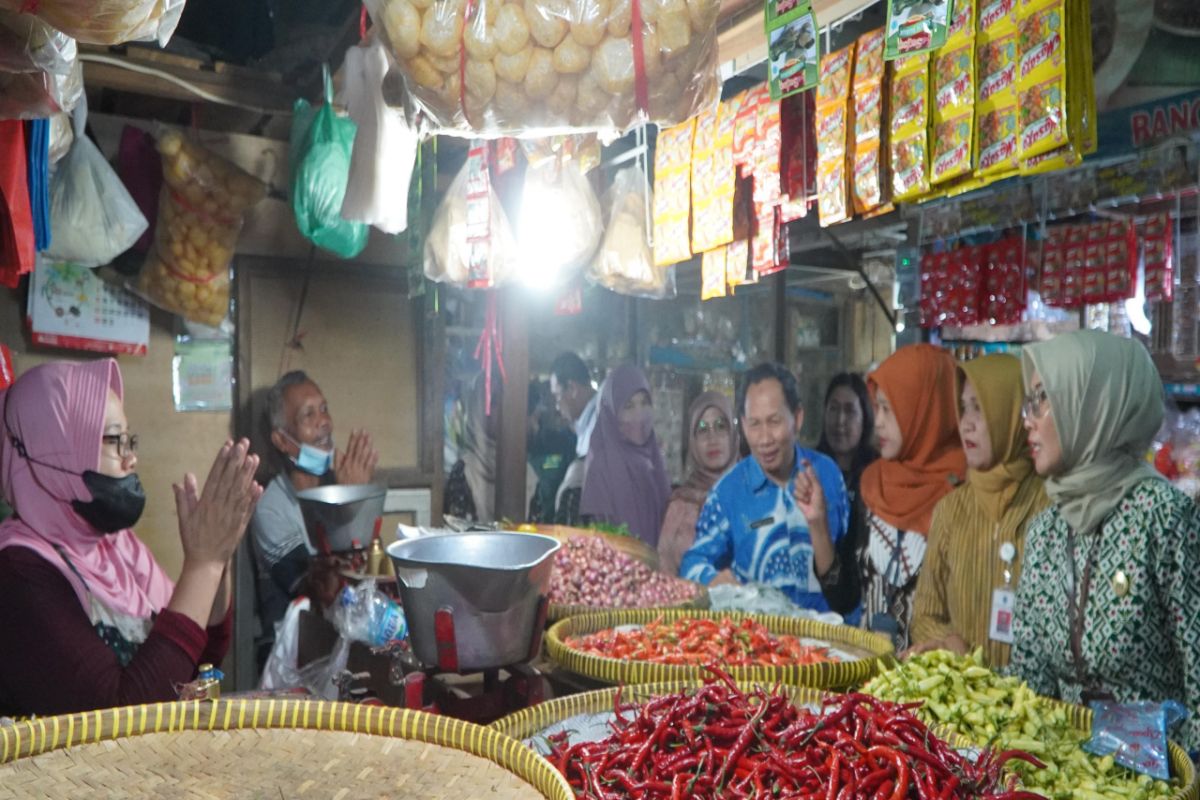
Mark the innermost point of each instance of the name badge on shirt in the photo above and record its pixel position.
(1001, 625)
(762, 523)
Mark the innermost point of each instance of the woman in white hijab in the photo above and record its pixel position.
(1107, 604)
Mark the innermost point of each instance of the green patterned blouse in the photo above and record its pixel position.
(1141, 639)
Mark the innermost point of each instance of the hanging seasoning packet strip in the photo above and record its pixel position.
(832, 200)
(916, 26)
(962, 24)
(997, 59)
(953, 112)
(996, 138)
(1042, 78)
(868, 188)
(997, 17)
(867, 176)
(745, 127)
(952, 154)
(910, 167)
(712, 273)
(910, 94)
(837, 69)
(793, 47)
(868, 57)
(672, 193)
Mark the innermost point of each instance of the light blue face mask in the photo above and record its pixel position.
(312, 460)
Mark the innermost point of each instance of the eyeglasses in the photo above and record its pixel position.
(1034, 406)
(127, 443)
(716, 428)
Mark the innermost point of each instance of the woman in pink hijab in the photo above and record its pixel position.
(88, 619)
(626, 481)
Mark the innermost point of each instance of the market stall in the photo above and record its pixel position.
(426, 203)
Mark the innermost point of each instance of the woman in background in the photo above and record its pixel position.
(849, 427)
(920, 462)
(711, 449)
(977, 536)
(626, 480)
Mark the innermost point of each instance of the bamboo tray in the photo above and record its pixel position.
(268, 748)
(863, 648)
(559, 611)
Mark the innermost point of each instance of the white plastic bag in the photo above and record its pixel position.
(107, 21)
(29, 45)
(93, 219)
(281, 671)
(625, 263)
(448, 248)
(385, 146)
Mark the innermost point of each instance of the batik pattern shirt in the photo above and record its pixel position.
(752, 525)
(1141, 637)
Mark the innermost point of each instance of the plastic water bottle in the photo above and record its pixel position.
(367, 615)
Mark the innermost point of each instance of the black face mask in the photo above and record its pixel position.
(116, 503)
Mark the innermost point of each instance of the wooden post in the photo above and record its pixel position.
(513, 421)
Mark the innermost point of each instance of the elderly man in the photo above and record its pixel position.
(776, 517)
(302, 434)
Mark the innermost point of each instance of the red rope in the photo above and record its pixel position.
(639, 58)
(489, 349)
(362, 24)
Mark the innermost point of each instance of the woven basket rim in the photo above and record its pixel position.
(46, 734)
(816, 676)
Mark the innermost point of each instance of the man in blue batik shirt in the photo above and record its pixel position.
(776, 517)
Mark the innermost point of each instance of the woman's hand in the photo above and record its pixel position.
(357, 464)
(212, 521)
(954, 643)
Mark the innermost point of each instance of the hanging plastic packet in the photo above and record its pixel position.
(916, 26)
(672, 194)
(793, 47)
(479, 202)
(109, 22)
(1135, 734)
(713, 179)
(1042, 77)
(712, 273)
(625, 262)
(545, 66)
(868, 188)
(909, 125)
(453, 244)
(834, 129)
(1158, 235)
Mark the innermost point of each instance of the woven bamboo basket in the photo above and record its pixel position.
(864, 648)
(268, 748)
(559, 611)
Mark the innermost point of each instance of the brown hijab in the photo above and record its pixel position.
(920, 384)
(700, 479)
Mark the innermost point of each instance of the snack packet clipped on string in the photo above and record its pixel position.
(868, 174)
(1042, 77)
(712, 273)
(910, 93)
(909, 143)
(954, 111)
(996, 147)
(672, 194)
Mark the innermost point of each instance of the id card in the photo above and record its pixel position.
(1001, 626)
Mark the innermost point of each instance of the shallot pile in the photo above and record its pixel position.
(588, 571)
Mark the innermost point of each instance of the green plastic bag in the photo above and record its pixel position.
(319, 161)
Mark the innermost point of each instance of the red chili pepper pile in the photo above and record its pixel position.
(726, 642)
(723, 743)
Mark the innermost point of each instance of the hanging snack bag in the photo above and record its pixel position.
(712, 273)
(868, 187)
(1158, 258)
(713, 178)
(799, 167)
(520, 68)
(916, 27)
(909, 127)
(953, 112)
(745, 130)
(768, 179)
(625, 262)
(793, 47)
(1042, 77)
(200, 211)
(672, 194)
(997, 59)
(834, 132)
(997, 17)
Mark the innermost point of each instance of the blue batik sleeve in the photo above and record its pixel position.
(713, 549)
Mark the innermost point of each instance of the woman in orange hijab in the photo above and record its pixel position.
(921, 460)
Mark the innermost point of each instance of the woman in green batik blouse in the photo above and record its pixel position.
(1108, 601)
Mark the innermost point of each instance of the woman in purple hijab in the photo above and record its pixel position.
(626, 480)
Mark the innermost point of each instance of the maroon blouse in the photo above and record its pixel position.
(52, 661)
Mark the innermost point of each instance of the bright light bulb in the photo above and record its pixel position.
(899, 326)
(541, 238)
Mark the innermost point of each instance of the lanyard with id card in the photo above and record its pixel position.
(1000, 625)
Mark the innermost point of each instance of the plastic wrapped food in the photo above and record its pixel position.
(625, 262)
(559, 225)
(452, 246)
(672, 193)
(200, 210)
(532, 67)
(29, 45)
(868, 188)
(106, 21)
(1042, 78)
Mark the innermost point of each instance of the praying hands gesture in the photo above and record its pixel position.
(357, 464)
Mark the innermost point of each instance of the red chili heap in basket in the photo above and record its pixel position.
(588, 571)
(723, 743)
(726, 642)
